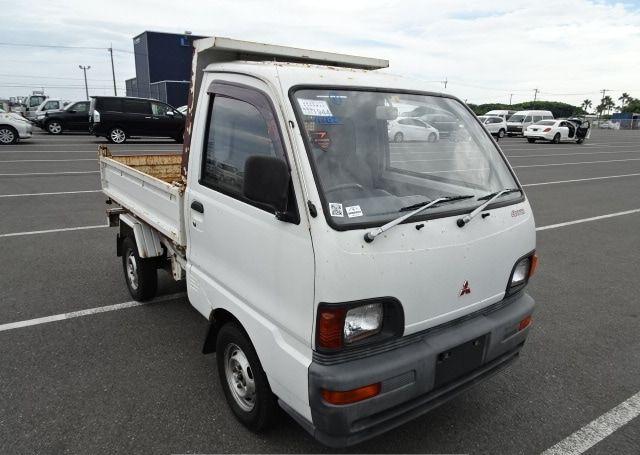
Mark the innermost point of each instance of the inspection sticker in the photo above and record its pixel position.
(318, 108)
(354, 211)
(335, 209)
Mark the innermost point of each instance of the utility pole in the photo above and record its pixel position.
(604, 92)
(510, 98)
(113, 71)
(445, 82)
(86, 87)
(535, 94)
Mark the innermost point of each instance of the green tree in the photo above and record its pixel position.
(586, 104)
(624, 99)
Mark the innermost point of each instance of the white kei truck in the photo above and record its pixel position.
(352, 281)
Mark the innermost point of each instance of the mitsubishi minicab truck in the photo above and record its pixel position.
(350, 280)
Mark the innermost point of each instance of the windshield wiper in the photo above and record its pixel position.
(491, 197)
(371, 235)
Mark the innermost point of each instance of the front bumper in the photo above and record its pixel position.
(25, 132)
(407, 372)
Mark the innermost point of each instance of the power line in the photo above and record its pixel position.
(51, 77)
(53, 46)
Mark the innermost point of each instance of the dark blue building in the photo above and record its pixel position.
(163, 67)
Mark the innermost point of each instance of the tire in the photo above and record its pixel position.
(8, 135)
(117, 135)
(179, 138)
(53, 127)
(398, 137)
(141, 275)
(556, 139)
(432, 137)
(238, 369)
(580, 141)
(530, 141)
(501, 133)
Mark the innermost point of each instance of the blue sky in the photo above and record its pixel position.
(487, 51)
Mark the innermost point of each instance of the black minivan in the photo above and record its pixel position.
(119, 118)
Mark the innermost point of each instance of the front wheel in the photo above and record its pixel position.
(8, 135)
(398, 137)
(117, 135)
(432, 137)
(54, 127)
(556, 139)
(140, 274)
(501, 133)
(580, 141)
(243, 380)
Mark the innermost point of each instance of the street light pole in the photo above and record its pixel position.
(113, 71)
(86, 87)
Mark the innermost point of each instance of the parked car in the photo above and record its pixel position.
(518, 122)
(74, 117)
(505, 114)
(31, 104)
(557, 131)
(411, 129)
(119, 118)
(13, 127)
(352, 289)
(446, 123)
(497, 126)
(609, 125)
(48, 105)
(183, 109)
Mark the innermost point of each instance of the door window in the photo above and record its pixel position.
(136, 106)
(160, 109)
(237, 130)
(80, 107)
(50, 105)
(527, 119)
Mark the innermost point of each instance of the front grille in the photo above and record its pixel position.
(514, 129)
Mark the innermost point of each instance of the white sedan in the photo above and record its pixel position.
(411, 129)
(557, 131)
(13, 127)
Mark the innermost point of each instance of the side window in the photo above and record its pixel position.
(80, 107)
(404, 121)
(527, 119)
(536, 118)
(160, 109)
(109, 104)
(237, 130)
(136, 106)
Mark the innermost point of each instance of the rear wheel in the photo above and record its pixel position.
(398, 137)
(140, 274)
(580, 141)
(117, 135)
(556, 139)
(432, 137)
(8, 135)
(53, 127)
(243, 380)
(530, 140)
(501, 133)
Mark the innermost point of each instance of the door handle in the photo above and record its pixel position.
(197, 206)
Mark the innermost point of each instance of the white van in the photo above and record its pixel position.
(352, 281)
(518, 122)
(505, 114)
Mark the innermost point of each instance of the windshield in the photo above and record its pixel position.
(516, 118)
(370, 165)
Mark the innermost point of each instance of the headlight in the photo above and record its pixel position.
(40, 117)
(351, 324)
(522, 271)
(362, 322)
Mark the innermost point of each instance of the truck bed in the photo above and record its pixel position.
(149, 187)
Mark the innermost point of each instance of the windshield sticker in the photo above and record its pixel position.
(335, 209)
(334, 98)
(354, 211)
(321, 139)
(318, 108)
(327, 120)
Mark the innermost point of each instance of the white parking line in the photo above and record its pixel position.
(582, 180)
(48, 161)
(49, 173)
(574, 163)
(572, 154)
(597, 430)
(49, 194)
(89, 312)
(50, 231)
(586, 220)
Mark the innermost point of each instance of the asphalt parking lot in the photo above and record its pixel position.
(134, 380)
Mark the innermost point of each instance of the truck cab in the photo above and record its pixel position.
(353, 281)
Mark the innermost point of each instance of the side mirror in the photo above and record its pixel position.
(170, 113)
(266, 180)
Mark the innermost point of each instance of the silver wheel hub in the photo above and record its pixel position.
(240, 379)
(117, 135)
(54, 127)
(6, 136)
(132, 270)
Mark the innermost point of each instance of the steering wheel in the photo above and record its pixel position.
(344, 186)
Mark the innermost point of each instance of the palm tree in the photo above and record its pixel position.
(586, 104)
(624, 99)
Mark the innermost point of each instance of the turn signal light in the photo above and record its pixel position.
(534, 265)
(546, 130)
(526, 322)
(330, 327)
(351, 396)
